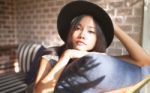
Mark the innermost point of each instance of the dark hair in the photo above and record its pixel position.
(100, 42)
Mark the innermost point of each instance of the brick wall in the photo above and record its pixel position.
(35, 21)
(129, 15)
(8, 37)
(38, 17)
(7, 23)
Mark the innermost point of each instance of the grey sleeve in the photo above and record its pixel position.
(51, 59)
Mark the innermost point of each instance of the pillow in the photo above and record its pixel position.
(29, 55)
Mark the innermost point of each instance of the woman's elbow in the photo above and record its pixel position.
(145, 61)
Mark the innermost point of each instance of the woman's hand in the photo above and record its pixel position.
(73, 53)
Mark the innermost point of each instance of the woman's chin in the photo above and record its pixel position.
(80, 48)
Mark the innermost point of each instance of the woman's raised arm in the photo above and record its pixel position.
(137, 55)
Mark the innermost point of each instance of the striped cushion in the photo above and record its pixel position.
(31, 75)
(26, 55)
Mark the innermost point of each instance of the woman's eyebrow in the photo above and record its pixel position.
(91, 27)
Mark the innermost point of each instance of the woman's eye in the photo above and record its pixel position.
(92, 32)
(77, 28)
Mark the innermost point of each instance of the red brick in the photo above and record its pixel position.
(138, 11)
(126, 28)
(134, 20)
(124, 11)
(119, 19)
(117, 4)
(137, 28)
(114, 51)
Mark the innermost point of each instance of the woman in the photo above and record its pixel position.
(83, 66)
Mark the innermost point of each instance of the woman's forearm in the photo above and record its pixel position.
(63, 61)
(56, 71)
(43, 70)
(47, 85)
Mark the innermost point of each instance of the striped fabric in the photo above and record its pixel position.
(28, 55)
(12, 83)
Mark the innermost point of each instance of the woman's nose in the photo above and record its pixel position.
(82, 34)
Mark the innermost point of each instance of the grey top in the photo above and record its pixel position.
(52, 59)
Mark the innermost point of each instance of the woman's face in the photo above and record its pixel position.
(84, 36)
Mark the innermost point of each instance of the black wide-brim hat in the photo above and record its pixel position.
(77, 8)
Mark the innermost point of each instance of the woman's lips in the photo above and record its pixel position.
(80, 43)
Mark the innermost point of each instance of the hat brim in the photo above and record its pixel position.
(77, 8)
